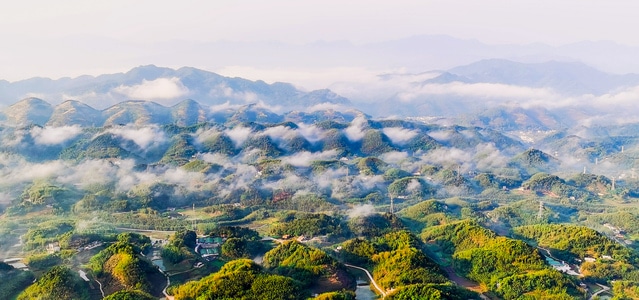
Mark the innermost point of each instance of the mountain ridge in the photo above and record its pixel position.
(35, 111)
(166, 86)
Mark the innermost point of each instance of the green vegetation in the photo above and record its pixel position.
(427, 213)
(508, 267)
(13, 281)
(371, 166)
(375, 143)
(198, 165)
(624, 290)
(546, 183)
(341, 295)
(47, 232)
(240, 279)
(309, 225)
(479, 209)
(57, 283)
(180, 246)
(374, 225)
(568, 242)
(400, 262)
(43, 261)
(431, 291)
(219, 143)
(414, 187)
(121, 262)
(180, 151)
(129, 295)
(300, 262)
(106, 145)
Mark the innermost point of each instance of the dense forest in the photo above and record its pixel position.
(256, 205)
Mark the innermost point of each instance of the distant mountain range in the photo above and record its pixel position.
(165, 86)
(565, 77)
(553, 93)
(494, 93)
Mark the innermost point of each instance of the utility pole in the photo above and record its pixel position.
(194, 221)
(392, 208)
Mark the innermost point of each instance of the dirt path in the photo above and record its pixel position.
(463, 282)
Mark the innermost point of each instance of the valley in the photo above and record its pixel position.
(451, 211)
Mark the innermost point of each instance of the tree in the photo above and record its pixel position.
(129, 295)
(187, 238)
(235, 248)
(57, 283)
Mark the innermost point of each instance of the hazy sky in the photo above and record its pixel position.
(69, 38)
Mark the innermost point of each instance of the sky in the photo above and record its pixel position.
(75, 37)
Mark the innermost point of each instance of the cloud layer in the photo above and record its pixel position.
(160, 90)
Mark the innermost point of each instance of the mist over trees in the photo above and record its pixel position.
(415, 202)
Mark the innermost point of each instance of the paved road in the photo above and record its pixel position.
(101, 290)
(370, 277)
(168, 283)
(603, 289)
(144, 230)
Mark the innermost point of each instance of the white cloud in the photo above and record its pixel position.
(216, 158)
(310, 132)
(492, 91)
(158, 89)
(361, 211)
(90, 172)
(317, 78)
(27, 172)
(488, 157)
(304, 158)
(144, 137)
(449, 156)
(54, 135)
(189, 180)
(440, 135)
(14, 138)
(393, 156)
(399, 135)
(279, 133)
(5, 198)
(224, 91)
(413, 185)
(328, 106)
(355, 131)
(238, 135)
(224, 106)
(201, 135)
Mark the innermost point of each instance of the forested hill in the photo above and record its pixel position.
(419, 205)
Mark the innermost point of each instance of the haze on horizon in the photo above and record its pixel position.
(72, 38)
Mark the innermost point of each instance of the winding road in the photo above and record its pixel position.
(101, 290)
(168, 283)
(602, 290)
(370, 277)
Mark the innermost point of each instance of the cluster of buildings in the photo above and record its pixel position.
(208, 247)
